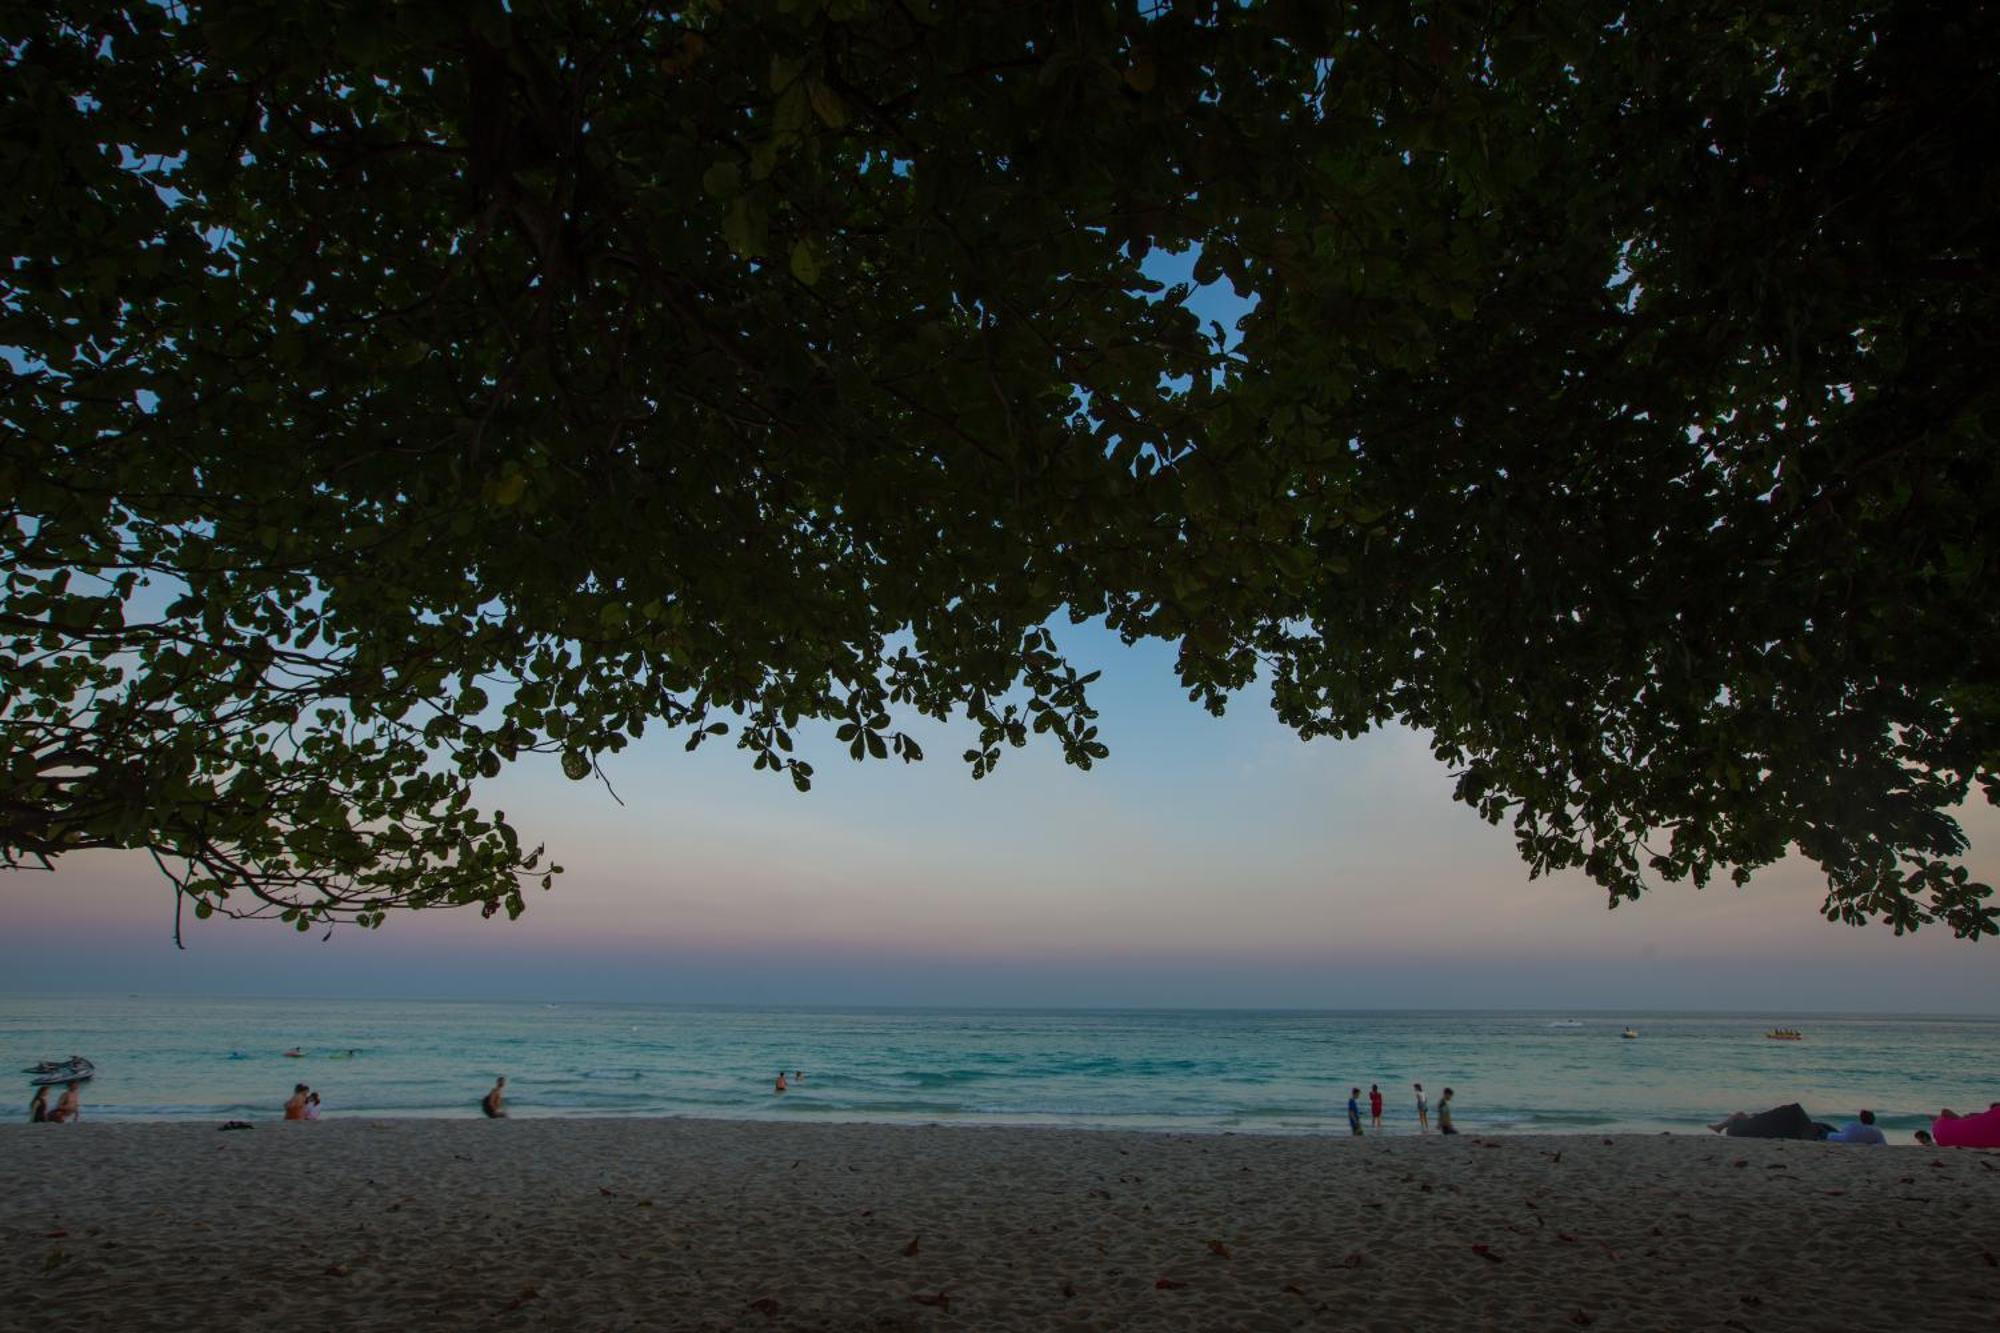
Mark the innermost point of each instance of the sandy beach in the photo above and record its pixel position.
(725, 1225)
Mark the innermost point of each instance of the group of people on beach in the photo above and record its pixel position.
(67, 1110)
(303, 1104)
(1375, 1110)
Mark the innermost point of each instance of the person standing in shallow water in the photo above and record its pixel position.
(781, 1082)
(1444, 1113)
(38, 1106)
(1375, 1107)
(1354, 1111)
(1423, 1110)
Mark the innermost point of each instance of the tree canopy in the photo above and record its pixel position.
(396, 390)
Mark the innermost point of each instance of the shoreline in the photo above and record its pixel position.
(1333, 1131)
(1899, 1127)
(683, 1222)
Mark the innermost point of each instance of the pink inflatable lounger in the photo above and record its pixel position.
(1969, 1131)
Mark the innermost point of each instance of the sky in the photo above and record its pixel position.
(1208, 863)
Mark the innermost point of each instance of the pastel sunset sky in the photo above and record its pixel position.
(1208, 862)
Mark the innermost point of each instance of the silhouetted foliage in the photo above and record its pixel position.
(395, 390)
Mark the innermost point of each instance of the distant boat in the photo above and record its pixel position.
(1784, 1034)
(1565, 1023)
(1630, 1034)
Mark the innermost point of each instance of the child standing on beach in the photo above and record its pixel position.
(1423, 1110)
(1444, 1113)
(1354, 1111)
(1375, 1106)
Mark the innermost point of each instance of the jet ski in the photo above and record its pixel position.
(51, 1072)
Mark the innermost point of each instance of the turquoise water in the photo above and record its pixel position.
(1210, 1070)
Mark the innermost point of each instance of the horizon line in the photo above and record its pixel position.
(1866, 1014)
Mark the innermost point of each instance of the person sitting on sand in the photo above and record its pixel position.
(494, 1103)
(69, 1107)
(1858, 1131)
(1924, 1139)
(38, 1106)
(781, 1082)
(1423, 1110)
(295, 1105)
(1444, 1113)
(312, 1106)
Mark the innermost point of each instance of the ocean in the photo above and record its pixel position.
(1211, 1071)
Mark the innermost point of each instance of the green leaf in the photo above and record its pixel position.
(722, 180)
(805, 262)
(785, 72)
(826, 104)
